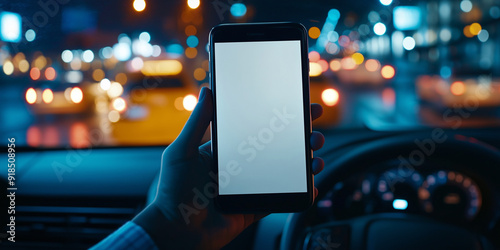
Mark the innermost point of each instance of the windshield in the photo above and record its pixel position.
(123, 73)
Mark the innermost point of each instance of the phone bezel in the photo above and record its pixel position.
(273, 202)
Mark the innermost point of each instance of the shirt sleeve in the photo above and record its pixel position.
(128, 236)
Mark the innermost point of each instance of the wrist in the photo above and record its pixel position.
(165, 233)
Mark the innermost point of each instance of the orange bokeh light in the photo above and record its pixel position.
(190, 30)
(191, 52)
(323, 64)
(348, 63)
(335, 65)
(314, 32)
(457, 88)
(79, 135)
(389, 97)
(314, 56)
(372, 65)
(467, 32)
(34, 136)
(50, 73)
(35, 73)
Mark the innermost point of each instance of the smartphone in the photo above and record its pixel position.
(261, 128)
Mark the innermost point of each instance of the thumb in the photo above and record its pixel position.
(188, 141)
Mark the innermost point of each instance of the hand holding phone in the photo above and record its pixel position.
(262, 122)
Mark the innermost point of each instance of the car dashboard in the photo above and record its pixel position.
(73, 198)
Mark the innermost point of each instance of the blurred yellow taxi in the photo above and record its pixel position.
(154, 106)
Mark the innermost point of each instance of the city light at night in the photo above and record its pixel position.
(76, 95)
(330, 97)
(314, 32)
(139, 5)
(47, 96)
(30, 35)
(8, 68)
(457, 88)
(193, 4)
(315, 69)
(238, 9)
(98, 96)
(31, 96)
(189, 102)
(386, 2)
(10, 26)
(379, 29)
(388, 72)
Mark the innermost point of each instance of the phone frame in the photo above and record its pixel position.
(252, 32)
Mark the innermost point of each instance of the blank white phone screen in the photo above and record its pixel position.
(260, 117)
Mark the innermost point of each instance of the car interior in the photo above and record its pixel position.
(410, 92)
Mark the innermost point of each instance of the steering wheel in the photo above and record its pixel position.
(392, 230)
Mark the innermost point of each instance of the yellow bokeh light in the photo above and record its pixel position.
(139, 5)
(178, 103)
(358, 58)
(8, 68)
(388, 72)
(47, 96)
(18, 57)
(40, 62)
(335, 65)
(200, 74)
(24, 66)
(161, 68)
(475, 28)
(457, 88)
(31, 96)
(314, 32)
(193, 4)
(315, 69)
(191, 52)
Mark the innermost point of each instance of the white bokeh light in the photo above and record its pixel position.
(409, 43)
(379, 29)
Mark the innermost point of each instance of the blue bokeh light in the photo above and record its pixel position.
(238, 10)
(192, 41)
(400, 204)
(445, 72)
(174, 50)
(407, 17)
(10, 27)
